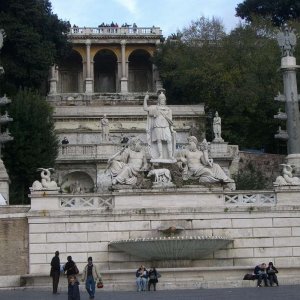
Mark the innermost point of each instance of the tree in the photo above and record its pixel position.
(36, 39)
(237, 76)
(279, 11)
(35, 143)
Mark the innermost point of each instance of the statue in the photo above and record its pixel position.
(287, 41)
(46, 183)
(217, 128)
(105, 128)
(2, 37)
(160, 175)
(196, 163)
(161, 137)
(287, 177)
(126, 164)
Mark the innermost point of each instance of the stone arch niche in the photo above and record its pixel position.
(70, 75)
(77, 182)
(140, 73)
(105, 71)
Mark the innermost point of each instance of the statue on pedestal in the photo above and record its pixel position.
(46, 183)
(287, 41)
(217, 128)
(126, 164)
(161, 137)
(105, 128)
(195, 163)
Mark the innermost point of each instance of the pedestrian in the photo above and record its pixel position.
(141, 278)
(65, 141)
(70, 268)
(261, 275)
(73, 288)
(89, 276)
(55, 271)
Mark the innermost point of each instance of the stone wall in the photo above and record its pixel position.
(13, 240)
(261, 232)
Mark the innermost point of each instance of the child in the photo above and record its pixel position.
(73, 288)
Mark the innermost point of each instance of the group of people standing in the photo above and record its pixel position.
(267, 274)
(145, 279)
(90, 275)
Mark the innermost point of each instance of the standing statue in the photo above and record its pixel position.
(196, 163)
(161, 137)
(2, 37)
(105, 128)
(287, 41)
(217, 128)
(126, 163)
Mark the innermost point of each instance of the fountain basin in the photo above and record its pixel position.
(172, 248)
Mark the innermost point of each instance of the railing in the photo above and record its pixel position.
(115, 31)
(248, 198)
(87, 202)
(78, 152)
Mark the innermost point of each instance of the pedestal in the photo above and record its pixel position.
(53, 87)
(124, 85)
(89, 85)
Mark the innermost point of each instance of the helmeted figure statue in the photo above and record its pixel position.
(161, 137)
(196, 163)
(126, 163)
(287, 41)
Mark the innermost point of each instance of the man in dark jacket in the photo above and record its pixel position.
(55, 271)
(261, 275)
(70, 267)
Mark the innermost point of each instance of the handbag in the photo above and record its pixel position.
(100, 284)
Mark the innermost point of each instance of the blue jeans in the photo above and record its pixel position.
(141, 284)
(90, 286)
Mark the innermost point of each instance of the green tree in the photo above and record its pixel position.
(279, 11)
(237, 76)
(36, 39)
(35, 143)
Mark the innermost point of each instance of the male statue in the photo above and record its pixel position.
(105, 128)
(161, 137)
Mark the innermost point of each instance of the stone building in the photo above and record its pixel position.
(108, 73)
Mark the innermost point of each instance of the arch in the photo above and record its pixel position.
(105, 71)
(70, 75)
(76, 182)
(140, 73)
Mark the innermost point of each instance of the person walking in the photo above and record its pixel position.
(89, 276)
(70, 267)
(55, 271)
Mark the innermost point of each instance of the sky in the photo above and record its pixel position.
(169, 15)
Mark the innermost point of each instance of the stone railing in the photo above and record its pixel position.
(246, 198)
(115, 31)
(87, 202)
(89, 151)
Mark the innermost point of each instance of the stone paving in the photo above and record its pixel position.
(275, 293)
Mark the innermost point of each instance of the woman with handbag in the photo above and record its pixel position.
(153, 278)
(271, 272)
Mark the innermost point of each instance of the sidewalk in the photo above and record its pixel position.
(274, 293)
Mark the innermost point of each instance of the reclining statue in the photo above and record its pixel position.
(287, 177)
(195, 163)
(126, 163)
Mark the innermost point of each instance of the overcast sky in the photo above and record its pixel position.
(169, 15)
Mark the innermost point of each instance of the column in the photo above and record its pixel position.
(124, 78)
(53, 80)
(88, 79)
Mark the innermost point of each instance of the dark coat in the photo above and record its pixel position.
(152, 275)
(70, 268)
(273, 268)
(55, 266)
(73, 291)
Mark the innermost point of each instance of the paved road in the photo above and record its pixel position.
(275, 293)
